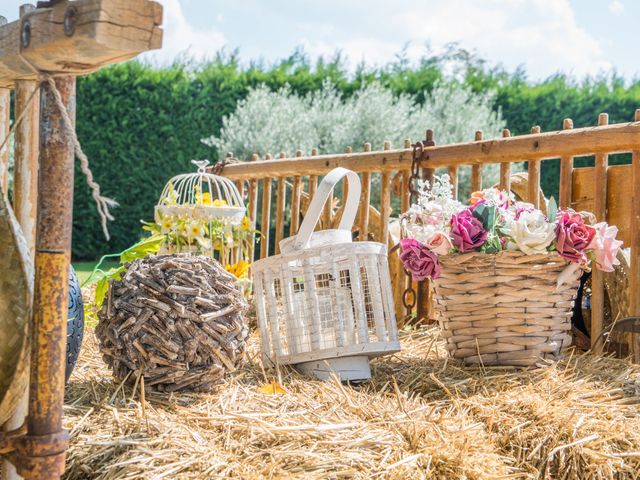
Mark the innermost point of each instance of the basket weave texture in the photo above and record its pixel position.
(505, 308)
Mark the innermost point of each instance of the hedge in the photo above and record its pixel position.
(140, 125)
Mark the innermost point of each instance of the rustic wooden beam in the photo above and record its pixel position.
(77, 37)
(616, 138)
(5, 126)
(634, 274)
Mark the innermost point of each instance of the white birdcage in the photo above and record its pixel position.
(201, 195)
(325, 303)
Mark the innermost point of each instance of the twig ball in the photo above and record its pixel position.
(177, 320)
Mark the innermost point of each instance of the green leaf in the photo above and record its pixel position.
(486, 214)
(142, 249)
(552, 210)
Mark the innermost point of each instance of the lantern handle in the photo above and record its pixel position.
(322, 195)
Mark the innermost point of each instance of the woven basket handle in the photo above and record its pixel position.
(321, 196)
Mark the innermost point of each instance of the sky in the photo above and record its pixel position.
(578, 37)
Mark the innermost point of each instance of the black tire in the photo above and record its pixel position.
(75, 322)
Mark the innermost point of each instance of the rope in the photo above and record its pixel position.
(102, 203)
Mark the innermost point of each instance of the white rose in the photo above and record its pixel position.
(531, 232)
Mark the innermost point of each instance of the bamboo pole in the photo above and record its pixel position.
(365, 200)
(296, 195)
(534, 176)
(281, 197)
(266, 213)
(566, 172)
(25, 205)
(385, 202)
(5, 126)
(634, 278)
(600, 211)
(505, 168)
(476, 170)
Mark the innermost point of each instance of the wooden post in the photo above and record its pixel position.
(566, 172)
(534, 176)
(345, 182)
(281, 197)
(253, 209)
(385, 202)
(405, 194)
(296, 196)
(423, 289)
(600, 211)
(634, 212)
(313, 181)
(25, 194)
(505, 168)
(365, 200)
(476, 170)
(5, 125)
(266, 213)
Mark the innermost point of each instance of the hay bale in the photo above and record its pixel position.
(176, 320)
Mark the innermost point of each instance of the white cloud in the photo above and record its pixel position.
(616, 7)
(181, 37)
(542, 35)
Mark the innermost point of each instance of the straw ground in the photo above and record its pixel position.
(420, 417)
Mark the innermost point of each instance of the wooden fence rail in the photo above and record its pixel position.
(612, 193)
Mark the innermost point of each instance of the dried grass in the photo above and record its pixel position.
(420, 417)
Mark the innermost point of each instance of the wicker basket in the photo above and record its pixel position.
(505, 308)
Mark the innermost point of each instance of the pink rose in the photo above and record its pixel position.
(467, 232)
(432, 214)
(439, 243)
(573, 236)
(605, 246)
(419, 261)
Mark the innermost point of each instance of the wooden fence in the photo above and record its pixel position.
(611, 193)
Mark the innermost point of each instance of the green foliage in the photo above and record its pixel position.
(140, 125)
(142, 249)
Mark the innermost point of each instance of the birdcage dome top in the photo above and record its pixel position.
(201, 195)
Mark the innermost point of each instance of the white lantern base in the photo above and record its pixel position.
(345, 368)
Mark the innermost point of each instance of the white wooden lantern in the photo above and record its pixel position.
(325, 303)
(201, 195)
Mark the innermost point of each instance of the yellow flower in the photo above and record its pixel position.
(219, 203)
(205, 198)
(166, 226)
(240, 269)
(245, 225)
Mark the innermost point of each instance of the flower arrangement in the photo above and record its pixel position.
(494, 221)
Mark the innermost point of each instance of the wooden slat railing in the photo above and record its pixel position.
(612, 193)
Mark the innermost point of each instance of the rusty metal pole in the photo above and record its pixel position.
(43, 451)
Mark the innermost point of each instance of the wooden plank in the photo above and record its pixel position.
(600, 211)
(453, 178)
(281, 198)
(619, 192)
(505, 168)
(296, 196)
(634, 243)
(566, 172)
(365, 200)
(266, 213)
(77, 37)
(5, 126)
(476, 170)
(533, 184)
(385, 202)
(617, 138)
